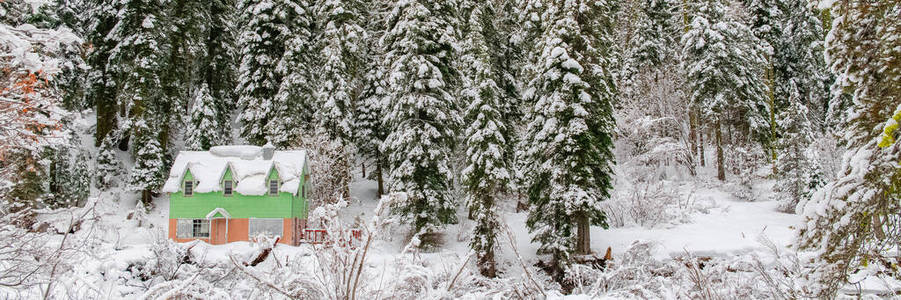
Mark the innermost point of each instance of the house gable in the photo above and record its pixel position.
(249, 174)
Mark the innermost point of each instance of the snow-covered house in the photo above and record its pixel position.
(234, 193)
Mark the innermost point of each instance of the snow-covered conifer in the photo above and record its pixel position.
(109, 169)
(421, 115)
(722, 62)
(204, 129)
(487, 172)
(855, 215)
(343, 48)
(799, 173)
(149, 169)
(655, 35)
(221, 58)
(292, 107)
(567, 150)
(264, 93)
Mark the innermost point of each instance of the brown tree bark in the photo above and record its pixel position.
(583, 235)
(487, 265)
(720, 166)
(378, 172)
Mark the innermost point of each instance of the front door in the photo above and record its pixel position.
(218, 232)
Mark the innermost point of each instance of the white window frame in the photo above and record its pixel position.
(185, 188)
(228, 188)
(269, 187)
(184, 228)
(254, 226)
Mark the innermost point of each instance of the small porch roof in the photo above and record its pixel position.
(221, 212)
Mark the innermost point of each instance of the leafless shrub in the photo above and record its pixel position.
(330, 163)
(648, 205)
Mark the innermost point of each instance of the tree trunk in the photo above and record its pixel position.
(378, 173)
(692, 139)
(701, 148)
(106, 117)
(583, 235)
(487, 266)
(146, 197)
(720, 167)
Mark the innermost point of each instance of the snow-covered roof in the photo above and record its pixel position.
(249, 169)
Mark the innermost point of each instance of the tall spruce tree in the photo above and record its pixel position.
(655, 35)
(799, 172)
(421, 115)
(722, 66)
(487, 172)
(343, 40)
(139, 61)
(220, 67)
(855, 216)
(101, 87)
(567, 151)
(292, 107)
(264, 40)
(147, 173)
(204, 129)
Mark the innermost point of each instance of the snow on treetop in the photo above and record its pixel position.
(249, 169)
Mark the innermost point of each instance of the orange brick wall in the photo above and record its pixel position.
(238, 231)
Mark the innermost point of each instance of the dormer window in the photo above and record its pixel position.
(273, 187)
(189, 188)
(227, 187)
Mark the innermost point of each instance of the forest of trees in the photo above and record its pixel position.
(496, 100)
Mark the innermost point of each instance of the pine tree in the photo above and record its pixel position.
(204, 129)
(567, 150)
(801, 59)
(109, 170)
(343, 38)
(263, 94)
(421, 116)
(101, 88)
(292, 109)
(852, 218)
(69, 174)
(148, 171)
(722, 64)
(487, 171)
(655, 34)
(799, 173)
(369, 131)
(139, 60)
(221, 59)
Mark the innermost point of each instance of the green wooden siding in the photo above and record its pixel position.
(198, 205)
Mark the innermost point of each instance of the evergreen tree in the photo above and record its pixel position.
(799, 173)
(369, 131)
(109, 170)
(421, 116)
(855, 216)
(801, 61)
(69, 174)
(292, 112)
(221, 59)
(102, 88)
(567, 150)
(149, 169)
(655, 35)
(204, 129)
(266, 35)
(487, 171)
(722, 67)
(139, 62)
(343, 50)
